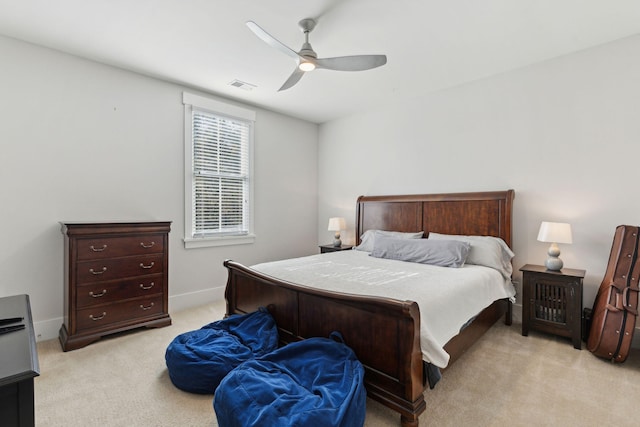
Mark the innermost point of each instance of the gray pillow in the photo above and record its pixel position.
(367, 240)
(444, 253)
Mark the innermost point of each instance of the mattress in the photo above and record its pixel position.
(447, 297)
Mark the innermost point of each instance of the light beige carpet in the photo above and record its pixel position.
(504, 380)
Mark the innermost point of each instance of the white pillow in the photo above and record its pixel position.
(489, 251)
(367, 240)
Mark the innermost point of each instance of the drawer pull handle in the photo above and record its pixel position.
(147, 266)
(151, 285)
(94, 249)
(146, 308)
(98, 272)
(94, 318)
(147, 246)
(101, 294)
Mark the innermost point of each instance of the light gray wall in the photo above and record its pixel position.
(84, 141)
(81, 141)
(563, 134)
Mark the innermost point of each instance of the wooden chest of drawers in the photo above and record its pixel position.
(115, 279)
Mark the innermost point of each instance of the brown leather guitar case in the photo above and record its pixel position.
(615, 308)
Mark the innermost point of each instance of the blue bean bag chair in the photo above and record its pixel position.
(198, 360)
(314, 382)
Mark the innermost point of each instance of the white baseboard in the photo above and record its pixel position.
(517, 313)
(194, 299)
(48, 329)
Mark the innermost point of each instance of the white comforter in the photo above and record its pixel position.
(447, 297)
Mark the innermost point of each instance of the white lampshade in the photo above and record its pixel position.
(555, 232)
(337, 224)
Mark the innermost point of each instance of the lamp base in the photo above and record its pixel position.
(553, 263)
(336, 240)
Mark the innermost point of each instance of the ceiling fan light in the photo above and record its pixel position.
(307, 66)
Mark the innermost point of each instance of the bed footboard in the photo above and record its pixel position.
(383, 332)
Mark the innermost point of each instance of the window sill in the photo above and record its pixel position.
(205, 242)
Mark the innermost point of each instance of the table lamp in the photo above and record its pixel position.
(554, 233)
(336, 224)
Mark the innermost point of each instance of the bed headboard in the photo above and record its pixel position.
(483, 213)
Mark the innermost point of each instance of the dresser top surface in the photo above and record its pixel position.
(80, 228)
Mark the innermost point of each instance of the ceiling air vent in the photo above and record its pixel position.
(242, 85)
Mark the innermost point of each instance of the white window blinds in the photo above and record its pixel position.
(218, 166)
(220, 175)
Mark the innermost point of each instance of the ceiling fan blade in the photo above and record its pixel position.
(352, 63)
(271, 41)
(293, 79)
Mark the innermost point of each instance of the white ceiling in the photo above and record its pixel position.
(430, 44)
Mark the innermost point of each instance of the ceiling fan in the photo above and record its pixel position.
(307, 59)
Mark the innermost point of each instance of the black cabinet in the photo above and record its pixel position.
(18, 364)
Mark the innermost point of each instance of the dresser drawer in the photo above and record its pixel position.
(103, 315)
(119, 268)
(113, 247)
(106, 292)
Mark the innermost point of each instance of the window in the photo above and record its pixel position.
(218, 181)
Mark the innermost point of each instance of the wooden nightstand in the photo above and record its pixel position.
(552, 301)
(330, 248)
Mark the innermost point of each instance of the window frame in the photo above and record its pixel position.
(217, 108)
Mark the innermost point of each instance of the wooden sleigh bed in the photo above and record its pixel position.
(383, 332)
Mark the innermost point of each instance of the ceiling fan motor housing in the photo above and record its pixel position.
(307, 25)
(307, 51)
